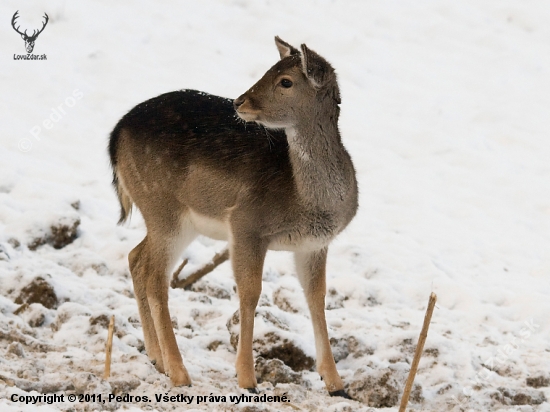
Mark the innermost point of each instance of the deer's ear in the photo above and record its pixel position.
(284, 48)
(316, 69)
(23, 36)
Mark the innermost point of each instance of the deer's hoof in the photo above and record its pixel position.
(252, 390)
(158, 366)
(341, 393)
(180, 378)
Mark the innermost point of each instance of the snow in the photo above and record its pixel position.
(445, 113)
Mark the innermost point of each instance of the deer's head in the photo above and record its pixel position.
(291, 89)
(29, 40)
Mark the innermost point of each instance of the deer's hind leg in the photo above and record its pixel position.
(151, 263)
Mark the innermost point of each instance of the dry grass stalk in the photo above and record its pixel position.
(109, 348)
(418, 352)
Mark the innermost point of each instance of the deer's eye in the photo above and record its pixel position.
(286, 83)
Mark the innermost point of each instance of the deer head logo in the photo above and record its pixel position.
(29, 40)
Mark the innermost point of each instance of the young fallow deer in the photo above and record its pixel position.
(281, 179)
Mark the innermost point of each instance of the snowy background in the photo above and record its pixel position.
(445, 113)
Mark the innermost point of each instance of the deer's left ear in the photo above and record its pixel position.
(316, 69)
(284, 48)
(23, 36)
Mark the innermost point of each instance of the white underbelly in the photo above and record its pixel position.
(301, 244)
(220, 230)
(207, 226)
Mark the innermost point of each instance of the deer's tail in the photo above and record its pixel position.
(124, 198)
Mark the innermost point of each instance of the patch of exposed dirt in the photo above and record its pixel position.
(519, 396)
(211, 289)
(38, 291)
(538, 381)
(348, 345)
(61, 234)
(275, 371)
(380, 389)
(273, 346)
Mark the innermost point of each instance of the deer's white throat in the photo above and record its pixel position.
(296, 145)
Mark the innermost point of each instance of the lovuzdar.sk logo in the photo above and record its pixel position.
(29, 40)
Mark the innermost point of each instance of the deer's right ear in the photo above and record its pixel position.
(318, 71)
(284, 48)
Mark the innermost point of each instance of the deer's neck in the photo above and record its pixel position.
(322, 168)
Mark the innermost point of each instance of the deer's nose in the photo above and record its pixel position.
(238, 102)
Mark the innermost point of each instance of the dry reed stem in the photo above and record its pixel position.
(418, 352)
(109, 348)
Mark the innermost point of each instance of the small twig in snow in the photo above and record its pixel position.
(177, 273)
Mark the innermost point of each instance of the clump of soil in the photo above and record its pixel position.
(272, 345)
(519, 397)
(376, 391)
(64, 232)
(214, 345)
(99, 323)
(61, 234)
(538, 381)
(210, 289)
(434, 352)
(101, 320)
(347, 345)
(380, 389)
(38, 291)
(275, 371)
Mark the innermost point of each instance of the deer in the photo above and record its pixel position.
(29, 40)
(266, 171)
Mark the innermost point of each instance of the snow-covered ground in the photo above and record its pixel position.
(445, 113)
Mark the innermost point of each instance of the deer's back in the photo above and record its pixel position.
(189, 126)
(188, 147)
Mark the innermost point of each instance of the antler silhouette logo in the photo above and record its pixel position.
(29, 40)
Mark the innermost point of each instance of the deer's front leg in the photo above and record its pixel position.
(247, 256)
(311, 268)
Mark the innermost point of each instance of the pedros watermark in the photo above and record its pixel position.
(29, 39)
(488, 367)
(56, 114)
